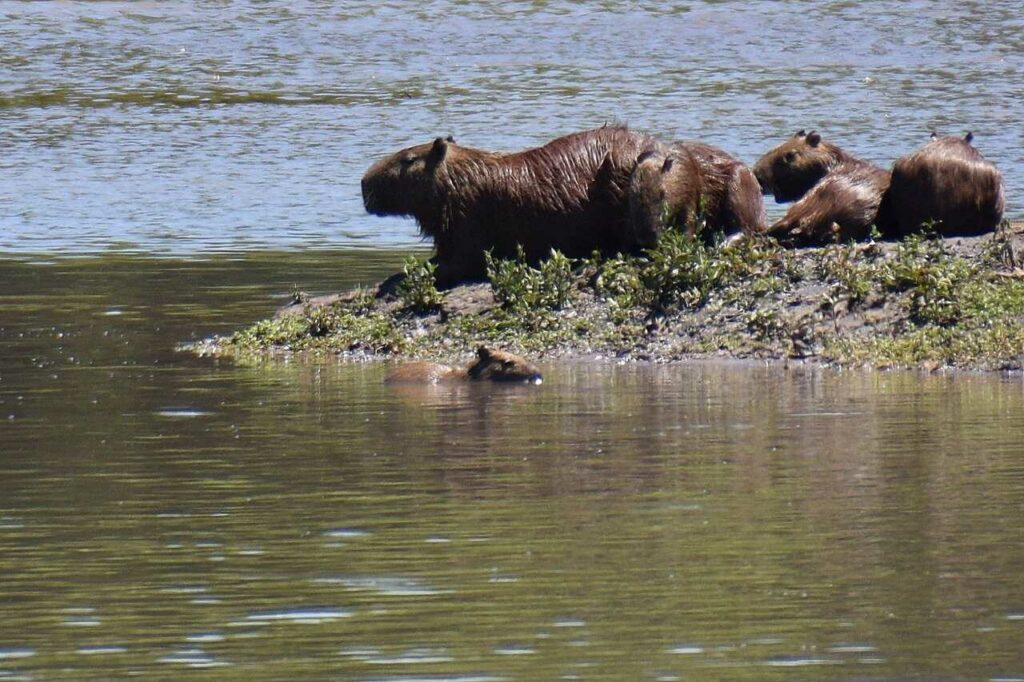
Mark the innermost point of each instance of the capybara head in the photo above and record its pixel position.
(497, 365)
(793, 167)
(404, 182)
(648, 205)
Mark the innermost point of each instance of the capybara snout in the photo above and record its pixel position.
(399, 183)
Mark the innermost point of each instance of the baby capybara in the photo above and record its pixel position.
(570, 195)
(837, 195)
(946, 184)
(490, 365)
(693, 186)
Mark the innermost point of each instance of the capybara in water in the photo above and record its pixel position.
(947, 184)
(837, 194)
(570, 195)
(490, 365)
(688, 182)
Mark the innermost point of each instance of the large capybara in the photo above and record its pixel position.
(570, 195)
(693, 186)
(837, 195)
(946, 184)
(490, 365)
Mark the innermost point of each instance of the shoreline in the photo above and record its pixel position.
(928, 304)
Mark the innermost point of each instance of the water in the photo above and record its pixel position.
(215, 126)
(174, 170)
(171, 517)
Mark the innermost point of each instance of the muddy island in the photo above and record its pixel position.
(925, 302)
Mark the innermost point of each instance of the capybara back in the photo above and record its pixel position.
(570, 195)
(946, 185)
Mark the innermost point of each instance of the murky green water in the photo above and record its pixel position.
(168, 517)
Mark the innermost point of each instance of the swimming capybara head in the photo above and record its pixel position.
(497, 365)
(796, 165)
(947, 184)
(404, 182)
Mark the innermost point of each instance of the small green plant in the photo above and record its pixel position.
(924, 267)
(764, 324)
(517, 285)
(852, 274)
(418, 290)
(998, 252)
(681, 269)
(619, 280)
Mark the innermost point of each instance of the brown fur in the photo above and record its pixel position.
(490, 365)
(791, 169)
(838, 194)
(946, 183)
(841, 206)
(679, 185)
(570, 195)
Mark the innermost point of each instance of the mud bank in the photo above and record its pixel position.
(924, 303)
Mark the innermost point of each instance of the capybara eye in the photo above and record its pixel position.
(407, 160)
(790, 157)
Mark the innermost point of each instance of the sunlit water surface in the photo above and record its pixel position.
(213, 126)
(169, 517)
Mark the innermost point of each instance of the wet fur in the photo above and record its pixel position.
(679, 185)
(842, 206)
(946, 183)
(570, 195)
(837, 195)
(490, 365)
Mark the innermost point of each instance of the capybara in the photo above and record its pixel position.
(570, 195)
(490, 365)
(837, 195)
(689, 182)
(946, 184)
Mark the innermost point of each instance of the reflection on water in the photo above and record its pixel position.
(163, 514)
(212, 126)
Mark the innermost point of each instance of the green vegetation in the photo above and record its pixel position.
(921, 302)
(351, 326)
(521, 288)
(418, 289)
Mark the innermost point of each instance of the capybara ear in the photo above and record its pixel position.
(440, 148)
(813, 138)
(646, 154)
(968, 137)
(483, 352)
(801, 133)
(933, 135)
(667, 166)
